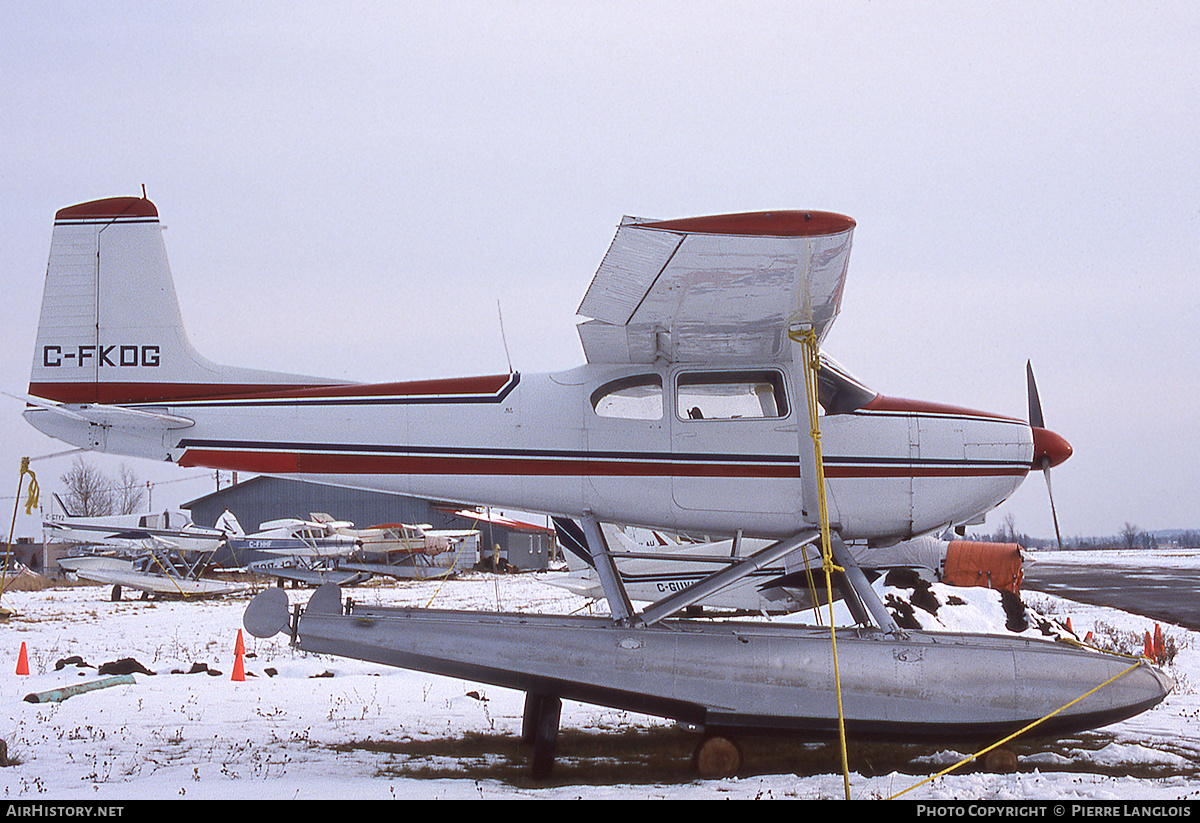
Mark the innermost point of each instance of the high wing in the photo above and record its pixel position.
(133, 532)
(717, 289)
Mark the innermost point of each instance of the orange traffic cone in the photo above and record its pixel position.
(1160, 651)
(239, 649)
(1149, 647)
(22, 661)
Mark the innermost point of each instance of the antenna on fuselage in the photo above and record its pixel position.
(503, 339)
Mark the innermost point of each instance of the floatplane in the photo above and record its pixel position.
(308, 552)
(659, 564)
(163, 555)
(405, 551)
(705, 406)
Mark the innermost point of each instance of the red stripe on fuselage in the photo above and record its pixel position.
(270, 462)
(266, 462)
(127, 393)
(926, 471)
(902, 406)
(119, 393)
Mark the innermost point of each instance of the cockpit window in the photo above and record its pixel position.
(837, 391)
(729, 395)
(639, 397)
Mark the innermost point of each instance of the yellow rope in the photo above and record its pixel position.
(999, 743)
(169, 574)
(30, 503)
(442, 581)
(812, 364)
(32, 500)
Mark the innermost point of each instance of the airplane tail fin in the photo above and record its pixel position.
(111, 330)
(58, 509)
(574, 542)
(229, 524)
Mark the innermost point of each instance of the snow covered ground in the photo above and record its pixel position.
(309, 726)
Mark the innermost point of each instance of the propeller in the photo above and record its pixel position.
(1049, 449)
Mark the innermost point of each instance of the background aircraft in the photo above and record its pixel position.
(162, 555)
(652, 570)
(401, 550)
(308, 552)
(134, 532)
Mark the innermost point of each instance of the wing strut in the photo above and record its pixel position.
(861, 587)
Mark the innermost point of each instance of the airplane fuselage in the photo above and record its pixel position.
(690, 415)
(552, 443)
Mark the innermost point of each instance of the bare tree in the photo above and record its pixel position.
(1131, 536)
(130, 491)
(89, 492)
(1007, 532)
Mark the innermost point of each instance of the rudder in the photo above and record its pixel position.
(111, 330)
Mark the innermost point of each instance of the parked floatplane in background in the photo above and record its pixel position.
(695, 413)
(406, 551)
(323, 550)
(308, 552)
(162, 555)
(660, 565)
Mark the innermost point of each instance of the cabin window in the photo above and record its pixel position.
(731, 395)
(632, 398)
(837, 391)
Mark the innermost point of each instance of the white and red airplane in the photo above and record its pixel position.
(691, 414)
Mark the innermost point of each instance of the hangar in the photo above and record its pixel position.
(523, 546)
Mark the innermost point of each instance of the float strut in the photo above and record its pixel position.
(614, 590)
(539, 726)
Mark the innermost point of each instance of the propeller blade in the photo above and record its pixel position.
(1038, 422)
(1035, 403)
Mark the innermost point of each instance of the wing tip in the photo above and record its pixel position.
(785, 223)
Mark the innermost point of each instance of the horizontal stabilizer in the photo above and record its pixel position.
(101, 427)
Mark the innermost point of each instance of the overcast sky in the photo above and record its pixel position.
(351, 189)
